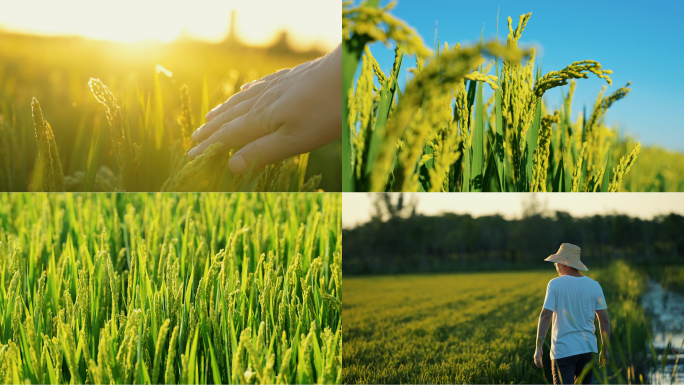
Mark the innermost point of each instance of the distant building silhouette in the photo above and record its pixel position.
(281, 46)
(232, 38)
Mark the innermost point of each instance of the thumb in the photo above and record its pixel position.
(261, 152)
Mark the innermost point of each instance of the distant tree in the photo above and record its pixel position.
(387, 207)
(400, 242)
(532, 205)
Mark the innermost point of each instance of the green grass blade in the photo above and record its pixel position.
(492, 183)
(466, 168)
(477, 168)
(298, 179)
(498, 150)
(384, 107)
(318, 357)
(559, 179)
(530, 146)
(51, 370)
(192, 361)
(606, 174)
(216, 373)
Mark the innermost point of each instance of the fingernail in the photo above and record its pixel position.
(237, 164)
(191, 153)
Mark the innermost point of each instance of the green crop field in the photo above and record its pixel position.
(439, 134)
(82, 115)
(473, 328)
(170, 288)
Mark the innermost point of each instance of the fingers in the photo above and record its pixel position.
(236, 99)
(538, 359)
(259, 153)
(266, 78)
(235, 133)
(226, 116)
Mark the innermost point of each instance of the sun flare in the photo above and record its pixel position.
(308, 22)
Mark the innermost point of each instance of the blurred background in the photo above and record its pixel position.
(448, 288)
(49, 50)
(400, 233)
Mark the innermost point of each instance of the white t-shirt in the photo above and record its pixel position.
(573, 300)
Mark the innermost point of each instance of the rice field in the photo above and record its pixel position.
(170, 288)
(121, 119)
(439, 134)
(476, 328)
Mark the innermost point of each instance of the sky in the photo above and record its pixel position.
(310, 23)
(639, 41)
(357, 208)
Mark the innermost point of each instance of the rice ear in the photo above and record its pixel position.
(52, 175)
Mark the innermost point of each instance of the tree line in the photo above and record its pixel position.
(455, 242)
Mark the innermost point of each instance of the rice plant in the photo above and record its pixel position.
(479, 328)
(120, 121)
(208, 172)
(170, 288)
(440, 135)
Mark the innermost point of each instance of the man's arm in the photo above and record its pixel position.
(544, 321)
(604, 325)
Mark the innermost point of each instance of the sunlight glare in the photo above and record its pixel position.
(259, 22)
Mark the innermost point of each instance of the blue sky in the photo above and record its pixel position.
(640, 41)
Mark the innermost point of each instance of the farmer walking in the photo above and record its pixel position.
(571, 300)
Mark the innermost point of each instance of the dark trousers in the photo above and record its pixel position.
(567, 369)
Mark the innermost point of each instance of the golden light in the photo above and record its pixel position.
(258, 22)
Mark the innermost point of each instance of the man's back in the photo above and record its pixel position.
(573, 300)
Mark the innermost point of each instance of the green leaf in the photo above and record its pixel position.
(384, 106)
(559, 179)
(192, 361)
(51, 369)
(27, 361)
(318, 357)
(477, 168)
(216, 373)
(298, 179)
(567, 173)
(491, 175)
(530, 146)
(605, 182)
(499, 136)
(466, 168)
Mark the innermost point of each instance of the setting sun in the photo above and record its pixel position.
(309, 23)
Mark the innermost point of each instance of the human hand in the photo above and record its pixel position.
(538, 357)
(286, 113)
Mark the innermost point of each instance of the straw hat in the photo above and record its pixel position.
(568, 255)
